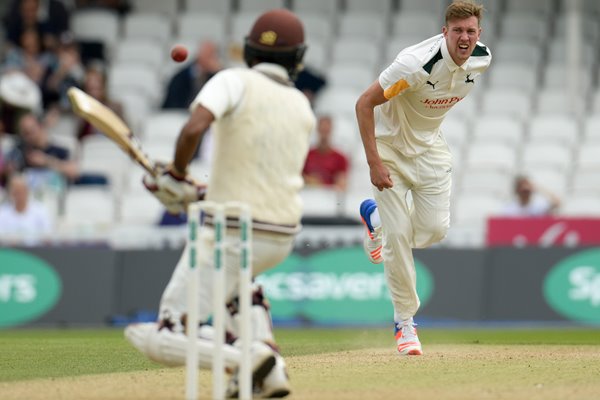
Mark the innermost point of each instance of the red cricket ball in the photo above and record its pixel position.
(179, 53)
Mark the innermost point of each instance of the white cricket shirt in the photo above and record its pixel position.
(261, 137)
(421, 86)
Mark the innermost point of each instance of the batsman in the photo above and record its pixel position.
(262, 126)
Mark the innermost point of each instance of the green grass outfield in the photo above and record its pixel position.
(30, 354)
(49, 355)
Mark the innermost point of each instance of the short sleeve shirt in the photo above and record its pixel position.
(421, 86)
(327, 165)
(537, 207)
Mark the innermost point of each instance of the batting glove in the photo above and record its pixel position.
(174, 192)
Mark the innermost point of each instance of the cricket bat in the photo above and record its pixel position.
(109, 123)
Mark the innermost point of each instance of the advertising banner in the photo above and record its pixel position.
(335, 286)
(572, 287)
(29, 287)
(543, 232)
(318, 286)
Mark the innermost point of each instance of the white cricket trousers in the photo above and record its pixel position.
(268, 250)
(429, 178)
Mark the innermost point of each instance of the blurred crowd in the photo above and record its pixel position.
(40, 59)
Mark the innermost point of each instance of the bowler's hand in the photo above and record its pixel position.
(380, 177)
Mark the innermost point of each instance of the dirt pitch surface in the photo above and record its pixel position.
(446, 371)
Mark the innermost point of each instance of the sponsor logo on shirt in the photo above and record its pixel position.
(432, 84)
(441, 103)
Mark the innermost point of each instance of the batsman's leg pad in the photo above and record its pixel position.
(262, 325)
(169, 348)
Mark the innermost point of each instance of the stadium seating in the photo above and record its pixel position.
(148, 26)
(520, 119)
(524, 51)
(140, 51)
(559, 129)
(164, 125)
(355, 50)
(433, 7)
(379, 8)
(222, 8)
(581, 206)
(198, 26)
(362, 25)
(96, 25)
(140, 209)
(352, 75)
(260, 5)
(511, 75)
(89, 212)
(456, 132)
(552, 101)
(340, 101)
(160, 7)
(591, 131)
(545, 156)
(421, 24)
(508, 102)
(542, 7)
(498, 129)
(317, 56)
(528, 26)
(136, 77)
(322, 7)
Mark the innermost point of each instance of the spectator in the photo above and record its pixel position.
(47, 164)
(186, 83)
(30, 58)
(50, 18)
(325, 166)
(22, 219)
(66, 71)
(310, 82)
(19, 95)
(530, 200)
(94, 84)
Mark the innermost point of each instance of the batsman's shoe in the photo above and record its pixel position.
(277, 383)
(372, 242)
(263, 361)
(407, 339)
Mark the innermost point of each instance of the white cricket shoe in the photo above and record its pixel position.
(263, 361)
(372, 242)
(277, 383)
(406, 338)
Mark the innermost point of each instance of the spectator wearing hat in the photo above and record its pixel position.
(19, 95)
